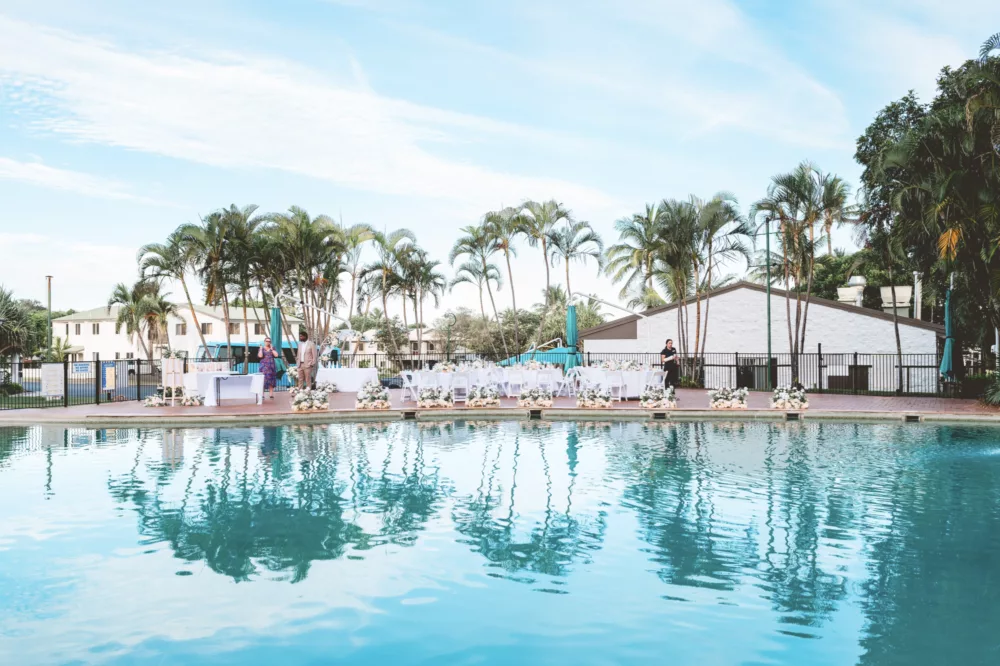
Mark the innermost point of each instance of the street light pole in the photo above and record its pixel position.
(48, 279)
(767, 262)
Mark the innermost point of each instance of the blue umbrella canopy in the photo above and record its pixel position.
(947, 369)
(276, 328)
(572, 335)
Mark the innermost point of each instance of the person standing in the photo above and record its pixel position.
(267, 356)
(305, 359)
(668, 357)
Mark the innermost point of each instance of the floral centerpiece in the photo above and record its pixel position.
(327, 387)
(789, 397)
(658, 398)
(535, 397)
(310, 401)
(435, 397)
(372, 396)
(591, 398)
(292, 372)
(728, 398)
(624, 366)
(325, 359)
(445, 366)
(477, 364)
(153, 401)
(483, 396)
(536, 365)
(192, 401)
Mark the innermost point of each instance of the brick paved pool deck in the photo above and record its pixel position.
(692, 404)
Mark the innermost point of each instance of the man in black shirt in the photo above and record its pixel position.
(668, 357)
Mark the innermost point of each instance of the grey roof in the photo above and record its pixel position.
(235, 314)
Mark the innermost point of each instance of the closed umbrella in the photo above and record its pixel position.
(572, 335)
(947, 370)
(276, 338)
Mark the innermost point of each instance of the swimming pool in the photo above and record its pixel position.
(501, 543)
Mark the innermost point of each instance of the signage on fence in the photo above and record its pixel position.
(80, 368)
(108, 376)
(53, 380)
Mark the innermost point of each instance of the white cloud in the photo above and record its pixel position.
(41, 175)
(235, 111)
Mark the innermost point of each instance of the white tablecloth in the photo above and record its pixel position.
(348, 380)
(635, 380)
(529, 378)
(233, 387)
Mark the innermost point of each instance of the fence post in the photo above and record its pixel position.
(97, 379)
(736, 371)
(65, 382)
(138, 379)
(819, 365)
(854, 374)
(588, 359)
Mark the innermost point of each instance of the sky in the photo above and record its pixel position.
(121, 120)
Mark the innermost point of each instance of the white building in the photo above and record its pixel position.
(91, 334)
(738, 325)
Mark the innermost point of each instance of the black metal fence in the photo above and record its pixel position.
(35, 384)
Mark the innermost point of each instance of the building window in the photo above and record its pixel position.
(128, 354)
(76, 329)
(414, 349)
(95, 329)
(234, 329)
(430, 346)
(67, 330)
(206, 328)
(117, 356)
(96, 357)
(181, 329)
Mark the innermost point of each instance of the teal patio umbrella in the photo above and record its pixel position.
(572, 335)
(276, 336)
(947, 370)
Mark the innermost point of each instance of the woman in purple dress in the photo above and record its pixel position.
(267, 354)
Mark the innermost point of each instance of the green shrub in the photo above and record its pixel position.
(991, 396)
(11, 388)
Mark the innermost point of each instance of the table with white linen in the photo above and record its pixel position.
(231, 386)
(485, 376)
(635, 380)
(348, 380)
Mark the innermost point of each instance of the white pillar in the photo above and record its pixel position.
(918, 291)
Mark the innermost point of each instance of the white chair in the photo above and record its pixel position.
(410, 390)
(445, 379)
(546, 380)
(592, 378)
(494, 379)
(567, 384)
(514, 383)
(614, 383)
(655, 378)
(460, 388)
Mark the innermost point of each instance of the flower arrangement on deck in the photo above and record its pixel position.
(535, 397)
(591, 398)
(445, 366)
(327, 387)
(372, 396)
(292, 372)
(789, 397)
(435, 397)
(153, 401)
(658, 398)
(728, 398)
(310, 401)
(483, 396)
(192, 401)
(624, 366)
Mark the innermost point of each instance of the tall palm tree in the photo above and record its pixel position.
(537, 221)
(390, 247)
(354, 239)
(242, 226)
(475, 243)
(15, 325)
(472, 272)
(156, 313)
(429, 282)
(207, 244)
(171, 260)
(132, 304)
(576, 241)
(502, 227)
(631, 260)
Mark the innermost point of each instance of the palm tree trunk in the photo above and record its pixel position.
(545, 257)
(225, 314)
(569, 291)
(385, 313)
(194, 315)
(895, 326)
(246, 336)
(697, 315)
(503, 338)
(513, 299)
(809, 284)
(350, 309)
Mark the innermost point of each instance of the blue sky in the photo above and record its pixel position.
(120, 120)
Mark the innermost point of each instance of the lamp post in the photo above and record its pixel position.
(48, 336)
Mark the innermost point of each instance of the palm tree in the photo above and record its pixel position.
(472, 272)
(156, 313)
(15, 325)
(476, 244)
(240, 257)
(206, 243)
(389, 247)
(502, 227)
(577, 241)
(132, 304)
(171, 260)
(537, 221)
(429, 282)
(59, 350)
(354, 239)
(631, 260)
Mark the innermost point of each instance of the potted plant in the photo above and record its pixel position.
(728, 398)
(789, 397)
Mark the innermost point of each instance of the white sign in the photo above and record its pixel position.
(53, 381)
(81, 368)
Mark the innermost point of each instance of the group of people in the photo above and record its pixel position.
(306, 360)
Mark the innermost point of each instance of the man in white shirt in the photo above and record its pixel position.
(305, 359)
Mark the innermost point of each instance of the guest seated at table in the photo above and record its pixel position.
(267, 355)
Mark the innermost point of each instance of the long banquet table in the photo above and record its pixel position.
(348, 380)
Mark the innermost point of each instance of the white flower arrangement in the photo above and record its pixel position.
(535, 397)
(789, 397)
(445, 366)
(327, 387)
(325, 359)
(192, 401)
(537, 365)
(435, 397)
(728, 398)
(658, 398)
(477, 364)
(483, 396)
(153, 401)
(591, 398)
(310, 401)
(372, 396)
(292, 372)
(624, 366)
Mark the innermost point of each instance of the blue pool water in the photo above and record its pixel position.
(501, 543)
